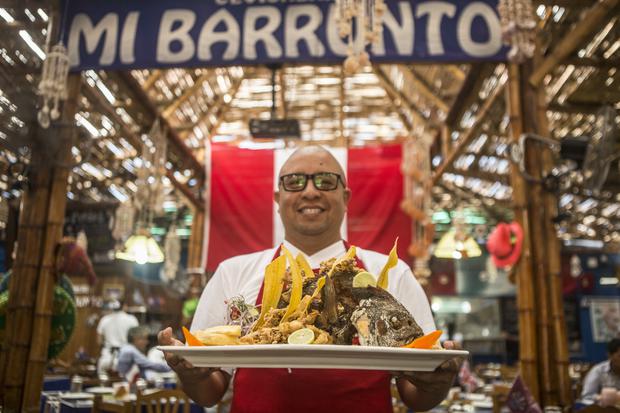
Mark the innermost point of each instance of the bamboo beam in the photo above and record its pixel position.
(185, 153)
(343, 97)
(222, 106)
(187, 193)
(396, 95)
(421, 87)
(469, 92)
(595, 18)
(152, 79)
(417, 113)
(528, 354)
(604, 64)
(134, 139)
(189, 92)
(469, 134)
(283, 110)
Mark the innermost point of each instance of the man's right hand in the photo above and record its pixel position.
(182, 367)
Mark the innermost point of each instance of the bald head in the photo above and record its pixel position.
(322, 155)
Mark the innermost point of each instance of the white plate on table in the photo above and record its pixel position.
(323, 356)
(76, 396)
(100, 390)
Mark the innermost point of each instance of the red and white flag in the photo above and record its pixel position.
(243, 218)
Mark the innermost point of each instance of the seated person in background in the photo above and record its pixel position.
(604, 374)
(132, 354)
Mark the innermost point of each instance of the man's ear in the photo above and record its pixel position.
(276, 197)
(346, 195)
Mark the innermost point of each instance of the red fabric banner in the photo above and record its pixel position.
(241, 210)
(374, 215)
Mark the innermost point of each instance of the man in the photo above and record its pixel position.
(112, 334)
(312, 198)
(132, 354)
(604, 374)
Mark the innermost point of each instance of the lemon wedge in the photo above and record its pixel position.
(301, 336)
(364, 279)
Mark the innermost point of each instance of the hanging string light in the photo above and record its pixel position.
(518, 24)
(53, 84)
(368, 18)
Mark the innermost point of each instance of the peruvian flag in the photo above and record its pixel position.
(243, 218)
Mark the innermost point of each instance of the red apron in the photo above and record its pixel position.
(310, 390)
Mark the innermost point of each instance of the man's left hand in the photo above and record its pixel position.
(438, 381)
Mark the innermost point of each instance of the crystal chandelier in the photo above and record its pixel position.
(368, 17)
(53, 85)
(518, 24)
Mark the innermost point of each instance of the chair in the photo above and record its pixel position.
(163, 401)
(103, 406)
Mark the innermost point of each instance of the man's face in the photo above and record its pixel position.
(614, 361)
(311, 212)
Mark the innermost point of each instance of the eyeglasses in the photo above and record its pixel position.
(323, 181)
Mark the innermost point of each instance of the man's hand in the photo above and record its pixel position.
(182, 367)
(431, 387)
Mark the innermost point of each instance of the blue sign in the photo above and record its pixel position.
(124, 34)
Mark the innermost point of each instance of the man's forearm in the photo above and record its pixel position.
(206, 389)
(417, 399)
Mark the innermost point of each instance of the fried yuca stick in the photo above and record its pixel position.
(382, 282)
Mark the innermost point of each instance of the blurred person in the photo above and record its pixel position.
(131, 358)
(605, 374)
(112, 334)
(312, 198)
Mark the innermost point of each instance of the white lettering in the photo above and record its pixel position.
(181, 34)
(208, 36)
(106, 28)
(403, 34)
(435, 10)
(293, 34)
(493, 44)
(128, 38)
(251, 36)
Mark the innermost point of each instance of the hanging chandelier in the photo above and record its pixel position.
(518, 24)
(53, 84)
(368, 18)
(141, 248)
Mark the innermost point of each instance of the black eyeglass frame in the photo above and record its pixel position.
(310, 177)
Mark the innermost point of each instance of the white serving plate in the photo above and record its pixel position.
(323, 356)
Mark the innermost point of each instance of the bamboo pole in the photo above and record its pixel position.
(55, 219)
(525, 285)
(194, 256)
(558, 350)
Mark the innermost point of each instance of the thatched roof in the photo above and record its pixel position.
(383, 103)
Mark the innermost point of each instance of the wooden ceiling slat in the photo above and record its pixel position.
(469, 92)
(422, 87)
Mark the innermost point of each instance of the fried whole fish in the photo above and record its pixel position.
(373, 313)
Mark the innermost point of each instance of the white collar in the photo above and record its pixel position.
(337, 249)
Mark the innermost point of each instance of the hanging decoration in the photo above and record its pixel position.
(518, 24)
(368, 18)
(81, 240)
(416, 169)
(457, 243)
(172, 251)
(124, 221)
(53, 84)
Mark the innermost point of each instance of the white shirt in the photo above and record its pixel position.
(598, 377)
(114, 327)
(243, 275)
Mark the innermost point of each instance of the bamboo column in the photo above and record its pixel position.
(32, 282)
(195, 248)
(528, 355)
(558, 346)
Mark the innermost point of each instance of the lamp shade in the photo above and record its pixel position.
(142, 249)
(451, 246)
